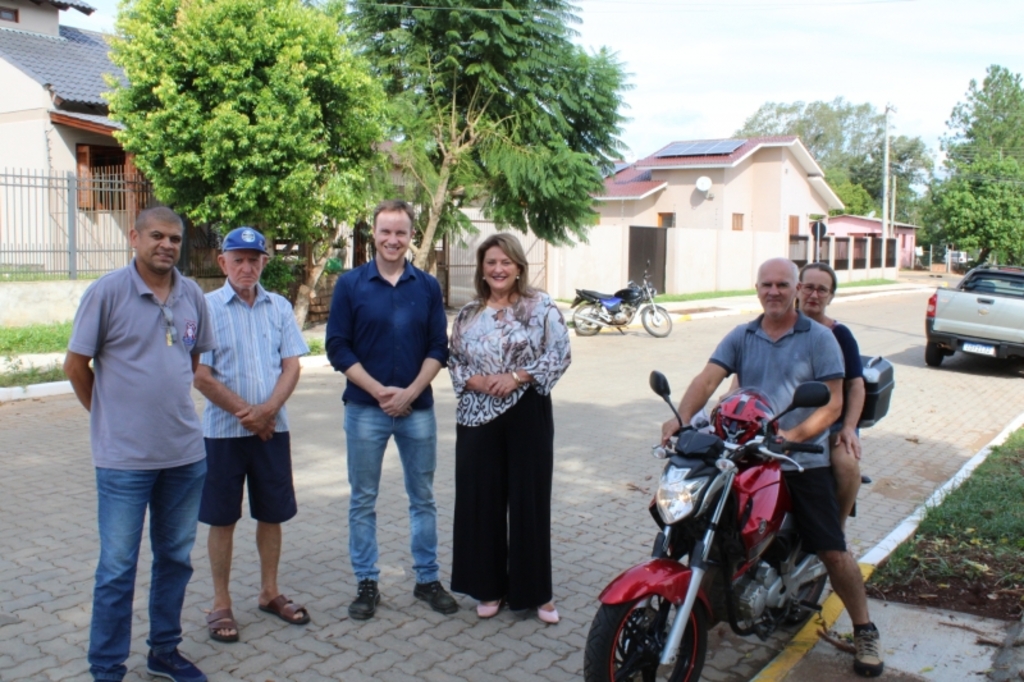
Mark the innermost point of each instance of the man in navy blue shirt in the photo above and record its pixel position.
(387, 332)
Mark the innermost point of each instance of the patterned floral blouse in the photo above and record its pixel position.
(529, 335)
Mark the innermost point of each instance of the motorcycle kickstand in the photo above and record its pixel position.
(621, 331)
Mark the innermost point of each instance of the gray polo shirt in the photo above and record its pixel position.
(142, 413)
(808, 352)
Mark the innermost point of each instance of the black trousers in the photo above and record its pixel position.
(501, 546)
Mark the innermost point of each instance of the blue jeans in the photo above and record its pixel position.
(172, 496)
(367, 431)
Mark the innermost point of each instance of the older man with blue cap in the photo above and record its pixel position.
(246, 381)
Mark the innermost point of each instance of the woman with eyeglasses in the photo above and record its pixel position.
(814, 294)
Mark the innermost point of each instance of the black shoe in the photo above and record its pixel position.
(173, 666)
(366, 601)
(434, 594)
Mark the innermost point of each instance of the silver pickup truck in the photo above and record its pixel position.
(983, 315)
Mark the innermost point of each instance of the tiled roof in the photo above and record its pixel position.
(72, 65)
(69, 4)
(630, 183)
(724, 160)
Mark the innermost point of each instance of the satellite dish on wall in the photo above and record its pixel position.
(704, 184)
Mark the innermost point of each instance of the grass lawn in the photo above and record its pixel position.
(14, 375)
(968, 553)
(35, 338)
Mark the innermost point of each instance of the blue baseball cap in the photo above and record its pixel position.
(244, 238)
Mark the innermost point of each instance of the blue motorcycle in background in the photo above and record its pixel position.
(618, 310)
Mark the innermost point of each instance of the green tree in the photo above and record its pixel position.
(836, 133)
(981, 206)
(990, 121)
(910, 168)
(493, 105)
(854, 197)
(248, 112)
(980, 202)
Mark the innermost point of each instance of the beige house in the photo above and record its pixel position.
(52, 115)
(68, 192)
(703, 213)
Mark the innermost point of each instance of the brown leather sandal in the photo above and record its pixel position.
(287, 610)
(222, 619)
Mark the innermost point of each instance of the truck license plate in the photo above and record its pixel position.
(979, 349)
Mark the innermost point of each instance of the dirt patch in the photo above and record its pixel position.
(988, 585)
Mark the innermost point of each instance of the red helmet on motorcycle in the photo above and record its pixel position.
(742, 414)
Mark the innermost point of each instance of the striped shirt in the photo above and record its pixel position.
(251, 343)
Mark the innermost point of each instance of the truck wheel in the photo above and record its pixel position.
(933, 354)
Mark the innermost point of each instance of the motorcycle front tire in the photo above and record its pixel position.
(657, 323)
(619, 633)
(584, 328)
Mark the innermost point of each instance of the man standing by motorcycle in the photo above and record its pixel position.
(776, 353)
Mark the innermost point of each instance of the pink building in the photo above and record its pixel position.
(859, 226)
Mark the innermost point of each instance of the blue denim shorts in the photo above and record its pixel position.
(266, 465)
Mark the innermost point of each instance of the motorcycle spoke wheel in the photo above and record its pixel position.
(656, 321)
(625, 642)
(584, 328)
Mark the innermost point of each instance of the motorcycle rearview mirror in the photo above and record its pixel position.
(809, 394)
(659, 384)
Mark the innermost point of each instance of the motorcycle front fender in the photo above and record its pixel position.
(666, 578)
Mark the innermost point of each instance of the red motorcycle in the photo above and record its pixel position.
(728, 549)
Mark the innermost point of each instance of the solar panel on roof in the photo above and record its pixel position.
(621, 165)
(701, 148)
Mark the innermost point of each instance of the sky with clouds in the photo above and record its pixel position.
(699, 68)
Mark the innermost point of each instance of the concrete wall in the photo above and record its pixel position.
(64, 139)
(23, 120)
(598, 264)
(25, 303)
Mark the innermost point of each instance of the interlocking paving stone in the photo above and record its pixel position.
(606, 419)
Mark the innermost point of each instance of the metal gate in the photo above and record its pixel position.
(456, 263)
(647, 249)
(62, 226)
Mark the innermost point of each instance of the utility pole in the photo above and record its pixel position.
(885, 183)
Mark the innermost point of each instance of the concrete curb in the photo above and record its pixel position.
(807, 637)
(35, 391)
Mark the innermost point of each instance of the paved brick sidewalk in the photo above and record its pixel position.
(606, 419)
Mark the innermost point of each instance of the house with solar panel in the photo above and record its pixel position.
(703, 214)
(68, 191)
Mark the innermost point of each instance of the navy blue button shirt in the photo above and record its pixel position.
(388, 329)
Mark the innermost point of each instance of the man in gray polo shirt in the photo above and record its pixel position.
(143, 327)
(776, 353)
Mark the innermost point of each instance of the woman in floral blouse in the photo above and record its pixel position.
(508, 348)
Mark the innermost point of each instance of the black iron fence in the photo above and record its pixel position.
(62, 226)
